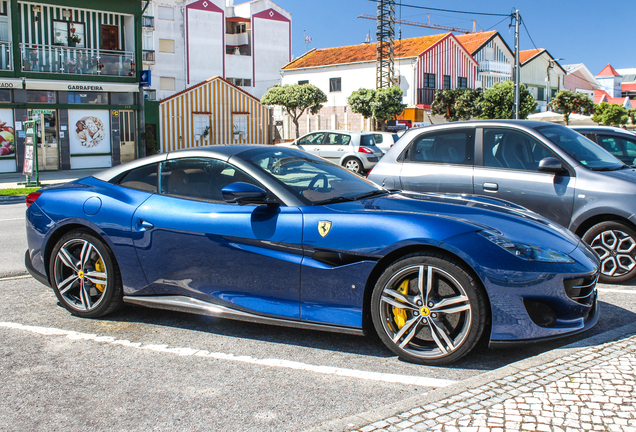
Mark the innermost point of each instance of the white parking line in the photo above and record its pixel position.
(15, 277)
(616, 291)
(328, 370)
(6, 220)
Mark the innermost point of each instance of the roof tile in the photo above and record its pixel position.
(473, 41)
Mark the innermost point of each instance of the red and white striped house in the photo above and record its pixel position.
(422, 65)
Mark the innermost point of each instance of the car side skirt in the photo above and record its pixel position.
(199, 307)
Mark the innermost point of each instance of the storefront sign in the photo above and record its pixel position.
(8, 83)
(41, 111)
(89, 131)
(80, 86)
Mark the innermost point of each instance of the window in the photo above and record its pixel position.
(335, 84)
(200, 178)
(5, 95)
(166, 45)
(443, 147)
(379, 139)
(622, 148)
(87, 97)
(41, 96)
(337, 139)
(506, 148)
(150, 94)
(239, 124)
(429, 80)
(462, 82)
(447, 82)
(147, 41)
(314, 138)
(143, 178)
(301, 82)
(201, 122)
(166, 83)
(541, 94)
(68, 34)
(243, 82)
(165, 13)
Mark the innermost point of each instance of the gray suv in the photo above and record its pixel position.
(544, 167)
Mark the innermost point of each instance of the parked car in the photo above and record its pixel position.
(278, 236)
(385, 140)
(355, 151)
(547, 168)
(620, 143)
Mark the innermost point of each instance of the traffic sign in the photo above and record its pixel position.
(144, 78)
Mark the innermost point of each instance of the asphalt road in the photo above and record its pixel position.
(143, 369)
(12, 239)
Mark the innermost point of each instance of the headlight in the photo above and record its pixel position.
(526, 251)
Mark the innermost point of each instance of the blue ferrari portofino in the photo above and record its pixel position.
(275, 235)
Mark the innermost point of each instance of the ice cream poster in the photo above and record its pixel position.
(7, 134)
(89, 131)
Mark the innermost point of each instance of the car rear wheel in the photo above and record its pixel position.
(85, 276)
(427, 309)
(353, 164)
(615, 244)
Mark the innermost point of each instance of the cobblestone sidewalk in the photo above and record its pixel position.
(593, 388)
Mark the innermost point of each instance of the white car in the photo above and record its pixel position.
(355, 151)
(385, 140)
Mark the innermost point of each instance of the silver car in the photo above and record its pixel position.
(355, 151)
(385, 140)
(620, 143)
(544, 167)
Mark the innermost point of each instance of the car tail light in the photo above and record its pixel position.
(365, 150)
(368, 172)
(30, 199)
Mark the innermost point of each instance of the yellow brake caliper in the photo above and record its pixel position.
(399, 314)
(99, 266)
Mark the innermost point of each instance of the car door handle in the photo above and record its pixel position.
(316, 149)
(491, 187)
(144, 225)
(341, 149)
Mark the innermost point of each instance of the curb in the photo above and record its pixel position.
(358, 421)
(12, 198)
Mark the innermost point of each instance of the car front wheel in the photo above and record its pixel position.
(615, 244)
(427, 309)
(85, 276)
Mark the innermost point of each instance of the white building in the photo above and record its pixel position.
(539, 70)
(186, 42)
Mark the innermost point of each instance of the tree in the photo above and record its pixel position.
(610, 114)
(499, 100)
(631, 113)
(457, 104)
(387, 104)
(568, 102)
(360, 102)
(295, 99)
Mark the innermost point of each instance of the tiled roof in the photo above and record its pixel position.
(526, 55)
(603, 96)
(365, 52)
(473, 41)
(630, 86)
(608, 71)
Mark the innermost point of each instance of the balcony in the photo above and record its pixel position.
(237, 39)
(148, 56)
(5, 56)
(70, 60)
(490, 66)
(148, 22)
(425, 96)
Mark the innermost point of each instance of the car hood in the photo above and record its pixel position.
(477, 213)
(627, 174)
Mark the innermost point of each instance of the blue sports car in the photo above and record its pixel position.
(275, 235)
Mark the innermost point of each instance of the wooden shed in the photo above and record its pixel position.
(212, 112)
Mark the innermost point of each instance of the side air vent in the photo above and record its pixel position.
(581, 289)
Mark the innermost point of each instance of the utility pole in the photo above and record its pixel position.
(517, 66)
(385, 35)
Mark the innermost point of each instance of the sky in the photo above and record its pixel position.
(591, 32)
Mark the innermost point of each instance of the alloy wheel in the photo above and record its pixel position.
(616, 250)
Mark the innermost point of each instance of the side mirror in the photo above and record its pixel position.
(550, 164)
(244, 193)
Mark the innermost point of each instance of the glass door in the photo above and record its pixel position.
(49, 151)
(127, 127)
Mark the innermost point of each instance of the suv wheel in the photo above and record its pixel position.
(615, 244)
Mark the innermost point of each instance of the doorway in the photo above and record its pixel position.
(110, 37)
(127, 128)
(49, 151)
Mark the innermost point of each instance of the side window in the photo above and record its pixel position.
(337, 139)
(611, 144)
(630, 147)
(315, 138)
(506, 148)
(143, 178)
(455, 147)
(367, 140)
(590, 136)
(200, 178)
(378, 138)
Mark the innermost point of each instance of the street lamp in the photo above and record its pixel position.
(551, 63)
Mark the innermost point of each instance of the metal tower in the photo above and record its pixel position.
(385, 35)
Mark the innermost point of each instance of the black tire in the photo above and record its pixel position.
(433, 330)
(353, 164)
(615, 243)
(75, 271)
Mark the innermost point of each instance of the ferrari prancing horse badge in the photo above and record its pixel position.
(324, 227)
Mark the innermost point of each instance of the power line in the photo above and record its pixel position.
(528, 33)
(449, 10)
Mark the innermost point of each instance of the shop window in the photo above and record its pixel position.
(335, 84)
(5, 95)
(87, 97)
(126, 99)
(166, 45)
(41, 96)
(68, 34)
(166, 13)
(166, 83)
(239, 125)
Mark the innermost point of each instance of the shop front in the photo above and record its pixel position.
(80, 124)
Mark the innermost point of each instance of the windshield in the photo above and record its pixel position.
(588, 153)
(313, 180)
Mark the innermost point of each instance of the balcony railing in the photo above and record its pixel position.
(148, 56)
(148, 22)
(5, 56)
(70, 60)
(425, 96)
(495, 66)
